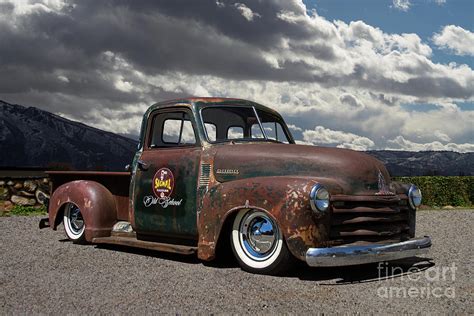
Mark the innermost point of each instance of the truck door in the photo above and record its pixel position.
(166, 178)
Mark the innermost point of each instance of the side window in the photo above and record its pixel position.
(235, 132)
(171, 129)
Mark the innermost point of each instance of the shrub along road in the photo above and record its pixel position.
(43, 273)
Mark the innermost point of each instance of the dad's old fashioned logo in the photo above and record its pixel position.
(163, 183)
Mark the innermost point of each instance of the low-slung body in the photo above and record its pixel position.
(210, 169)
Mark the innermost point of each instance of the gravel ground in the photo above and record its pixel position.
(42, 273)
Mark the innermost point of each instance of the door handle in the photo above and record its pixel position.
(143, 166)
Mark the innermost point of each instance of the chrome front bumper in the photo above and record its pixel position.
(352, 255)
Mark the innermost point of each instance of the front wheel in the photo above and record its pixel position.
(74, 224)
(258, 244)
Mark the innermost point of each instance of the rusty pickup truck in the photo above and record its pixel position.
(213, 173)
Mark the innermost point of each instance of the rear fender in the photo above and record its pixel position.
(95, 201)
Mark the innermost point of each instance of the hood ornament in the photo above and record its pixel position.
(383, 187)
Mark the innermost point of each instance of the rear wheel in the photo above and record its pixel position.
(258, 244)
(74, 224)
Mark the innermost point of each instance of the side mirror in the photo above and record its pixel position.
(128, 167)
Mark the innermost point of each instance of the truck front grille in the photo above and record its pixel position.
(369, 219)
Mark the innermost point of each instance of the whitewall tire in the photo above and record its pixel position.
(258, 243)
(74, 224)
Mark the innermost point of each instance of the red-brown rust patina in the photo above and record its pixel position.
(284, 198)
(263, 183)
(213, 182)
(117, 183)
(95, 201)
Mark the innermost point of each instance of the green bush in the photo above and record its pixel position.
(27, 210)
(442, 191)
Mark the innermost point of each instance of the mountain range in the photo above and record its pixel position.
(30, 137)
(426, 163)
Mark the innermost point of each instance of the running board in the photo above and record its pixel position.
(133, 242)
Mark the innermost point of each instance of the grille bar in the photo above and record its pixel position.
(382, 218)
(368, 218)
(365, 209)
(368, 231)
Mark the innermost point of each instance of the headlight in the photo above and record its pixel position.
(319, 198)
(414, 197)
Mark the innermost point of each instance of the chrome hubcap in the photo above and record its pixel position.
(259, 235)
(76, 220)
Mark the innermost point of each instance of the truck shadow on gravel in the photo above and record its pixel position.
(333, 276)
(363, 273)
(190, 259)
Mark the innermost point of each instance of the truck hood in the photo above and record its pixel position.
(343, 171)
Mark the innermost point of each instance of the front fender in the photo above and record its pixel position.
(286, 199)
(95, 201)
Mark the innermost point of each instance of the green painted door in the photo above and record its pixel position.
(166, 177)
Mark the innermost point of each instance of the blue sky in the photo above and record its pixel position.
(424, 17)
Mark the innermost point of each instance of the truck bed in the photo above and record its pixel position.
(116, 182)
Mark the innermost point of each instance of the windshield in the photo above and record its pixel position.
(228, 123)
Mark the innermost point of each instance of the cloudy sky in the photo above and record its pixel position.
(368, 74)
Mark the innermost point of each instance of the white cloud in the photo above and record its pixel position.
(246, 12)
(360, 34)
(455, 123)
(351, 100)
(302, 142)
(441, 136)
(295, 128)
(401, 143)
(403, 5)
(63, 79)
(440, 2)
(123, 85)
(25, 7)
(456, 39)
(325, 136)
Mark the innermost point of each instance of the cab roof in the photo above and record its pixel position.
(195, 102)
